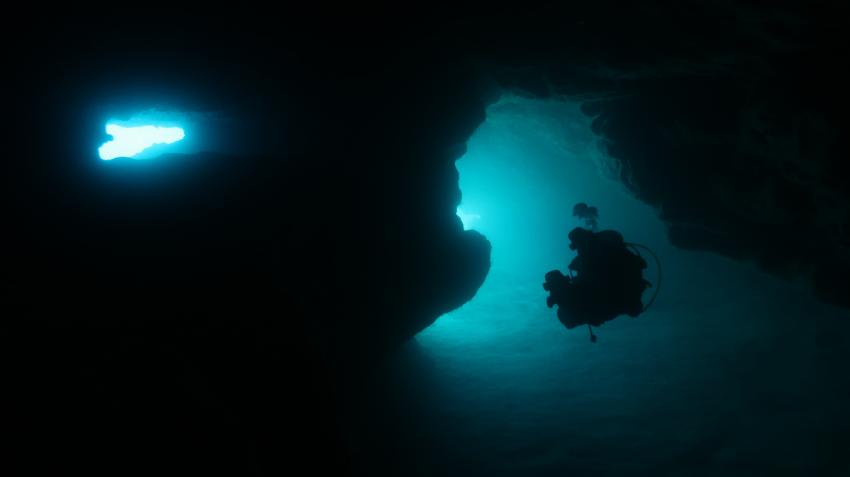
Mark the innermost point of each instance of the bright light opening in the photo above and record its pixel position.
(131, 141)
(467, 218)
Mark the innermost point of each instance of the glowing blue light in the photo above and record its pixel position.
(130, 141)
(467, 219)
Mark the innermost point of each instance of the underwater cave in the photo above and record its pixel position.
(247, 242)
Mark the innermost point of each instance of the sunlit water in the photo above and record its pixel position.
(130, 141)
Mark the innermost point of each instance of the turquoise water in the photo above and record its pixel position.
(731, 372)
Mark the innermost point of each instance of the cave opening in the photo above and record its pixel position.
(147, 134)
(500, 387)
(524, 169)
(133, 141)
(133, 132)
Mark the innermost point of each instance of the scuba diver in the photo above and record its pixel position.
(605, 280)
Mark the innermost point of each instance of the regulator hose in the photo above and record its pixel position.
(636, 246)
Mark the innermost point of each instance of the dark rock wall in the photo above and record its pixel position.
(725, 115)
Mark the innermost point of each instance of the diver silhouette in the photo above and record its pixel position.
(605, 280)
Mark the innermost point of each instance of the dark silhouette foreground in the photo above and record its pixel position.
(605, 281)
